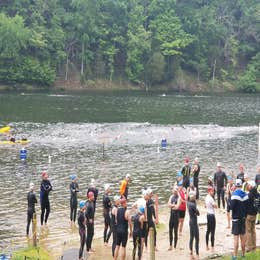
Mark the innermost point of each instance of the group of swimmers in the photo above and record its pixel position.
(237, 192)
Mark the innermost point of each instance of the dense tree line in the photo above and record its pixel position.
(143, 41)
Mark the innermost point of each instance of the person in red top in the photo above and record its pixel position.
(182, 207)
(124, 186)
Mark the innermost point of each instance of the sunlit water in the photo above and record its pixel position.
(67, 134)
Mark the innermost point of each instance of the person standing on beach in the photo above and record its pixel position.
(195, 175)
(92, 188)
(194, 228)
(186, 171)
(114, 222)
(89, 214)
(257, 183)
(74, 189)
(46, 187)
(106, 213)
(31, 199)
(238, 205)
(82, 227)
(124, 186)
(220, 181)
(182, 207)
(211, 219)
(123, 219)
(230, 190)
(241, 172)
(192, 188)
(174, 204)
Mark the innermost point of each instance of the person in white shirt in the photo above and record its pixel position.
(211, 219)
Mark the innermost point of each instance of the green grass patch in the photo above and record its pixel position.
(249, 256)
(31, 254)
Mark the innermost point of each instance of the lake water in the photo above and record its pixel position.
(67, 133)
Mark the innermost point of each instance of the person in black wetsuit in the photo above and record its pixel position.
(241, 173)
(46, 187)
(82, 227)
(194, 228)
(74, 189)
(31, 198)
(123, 219)
(92, 188)
(114, 221)
(138, 232)
(106, 213)
(174, 203)
(186, 171)
(220, 181)
(89, 214)
(195, 174)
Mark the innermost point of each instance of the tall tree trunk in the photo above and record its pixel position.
(214, 71)
(67, 68)
(82, 59)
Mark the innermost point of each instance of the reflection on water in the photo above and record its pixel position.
(129, 148)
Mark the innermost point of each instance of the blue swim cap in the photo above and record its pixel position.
(230, 177)
(141, 209)
(179, 174)
(73, 177)
(191, 180)
(180, 183)
(82, 204)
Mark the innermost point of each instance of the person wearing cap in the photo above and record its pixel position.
(123, 220)
(192, 188)
(92, 188)
(46, 187)
(174, 204)
(31, 199)
(230, 189)
(211, 184)
(182, 207)
(252, 209)
(241, 172)
(89, 214)
(74, 189)
(211, 219)
(124, 186)
(193, 223)
(82, 227)
(238, 205)
(195, 175)
(114, 222)
(106, 213)
(220, 181)
(186, 171)
(138, 232)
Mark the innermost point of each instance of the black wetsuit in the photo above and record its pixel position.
(150, 223)
(31, 198)
(241, 177)
(174, 222)
(122, 228)
(220, 181)
(137, 236)
(82, 232)
(107, 221)
(113, 227)
(89, 213)
(186, 169)
(95, 191)
(194, 228)
(196, 180)
(74, 189)
(257, 179)
(46, 187)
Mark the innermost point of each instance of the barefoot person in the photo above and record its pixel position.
(92, 188)
(82, 227)
(186, 171)
(31, 199)
(106, 213)
(194, 228)
(123, 219)
(174, 203)
(114, 221)
(46, 187)
(211, 219)
(220, 181)
(74, 189)
(230, 190)
(182, 207)
(238, 206)
(195, 175)
(124, 186)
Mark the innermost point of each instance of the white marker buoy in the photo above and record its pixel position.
(49, 158)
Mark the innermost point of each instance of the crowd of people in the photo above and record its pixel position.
(238, 195)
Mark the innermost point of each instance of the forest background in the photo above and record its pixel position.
(153, 44)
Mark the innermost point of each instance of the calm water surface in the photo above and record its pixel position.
(72, 128)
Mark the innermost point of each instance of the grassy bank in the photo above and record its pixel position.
(32, 254)
(249, 256)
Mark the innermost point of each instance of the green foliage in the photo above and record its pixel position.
(31, 253)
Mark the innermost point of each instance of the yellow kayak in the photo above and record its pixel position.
(22, 142)
(5, 129)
